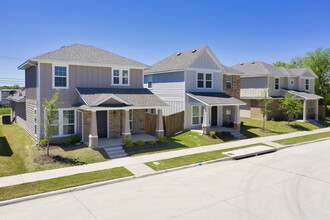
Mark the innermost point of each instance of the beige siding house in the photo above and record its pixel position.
(101, 94)
(279, 80)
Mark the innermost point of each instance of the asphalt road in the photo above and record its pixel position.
(290, 184)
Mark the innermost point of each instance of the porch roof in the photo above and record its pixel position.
(215, 98)
(303, 95)
(122, 97)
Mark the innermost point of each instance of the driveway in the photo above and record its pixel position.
(290, 184)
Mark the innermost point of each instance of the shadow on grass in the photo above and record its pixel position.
(245, 131)
(76, 147)
(67, 160)
(5, 149)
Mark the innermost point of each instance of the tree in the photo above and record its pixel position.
(290, 105)
(51, 117)
(264, 102)
(280, 64)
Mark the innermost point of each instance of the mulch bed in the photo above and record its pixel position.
(146, 146)
(44, 159)
(264, 131)
(288, 126)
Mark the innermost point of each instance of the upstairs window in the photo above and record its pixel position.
(307, 84)
(277, 83)
(149, 78)
(120, 77)
(60, 77)
(229, 81)
(292, 82)
(204, 80)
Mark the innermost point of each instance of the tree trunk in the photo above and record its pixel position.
(47, 148)
(263, 123)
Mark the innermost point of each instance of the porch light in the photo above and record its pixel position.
(115, 112)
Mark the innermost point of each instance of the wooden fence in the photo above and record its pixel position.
(172, 123)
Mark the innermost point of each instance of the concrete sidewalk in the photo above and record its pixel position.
(136, 164)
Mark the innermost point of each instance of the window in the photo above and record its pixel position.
(310, 108)
(60, 77)
(149, 78)
(229, 81)
(120, 77)
(307, 84)
(277, 83)
(228, 113)
(68, 122)
(56, 125)
(35, 121)
(204, 80)
(197, 116)
(292, 82)
(131, 119)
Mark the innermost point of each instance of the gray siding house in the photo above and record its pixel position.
(194, 81)
(101, 94)
(279, 80)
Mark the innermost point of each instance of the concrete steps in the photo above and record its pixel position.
(316, 123)
(238, 135)
(115, 152)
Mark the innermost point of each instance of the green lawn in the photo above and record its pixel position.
(183, 140)
(26, 189)
(302, 139)
(5, 111)
(194, 158)
(250, 125)
(17, 153)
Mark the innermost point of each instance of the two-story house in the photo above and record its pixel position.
(279, 81)
(101, 94)
(195, 82)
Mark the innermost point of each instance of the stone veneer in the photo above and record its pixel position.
(236, 86)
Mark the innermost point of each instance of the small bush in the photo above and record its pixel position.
(57, 142)
(225, 123)
(43, 142)
(152, 142)
(162, 139)
(128, 143)
(212, 134)
(218, 134)
(67, 141)
(140, 143)
(242, 122)
(75, 138)
(278, 118)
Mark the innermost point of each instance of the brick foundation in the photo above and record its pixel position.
(237, 126)
(93, 141)
(206, 130)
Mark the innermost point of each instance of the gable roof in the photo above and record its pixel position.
(215, 98)
(84, 54)
(260, 68)
(18, 97)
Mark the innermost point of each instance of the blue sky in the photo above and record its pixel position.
(148, 31)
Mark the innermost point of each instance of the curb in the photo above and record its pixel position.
(302, 143)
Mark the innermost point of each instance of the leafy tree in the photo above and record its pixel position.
(264, 102)
(51, 117)
(290, 105)
(280, 64)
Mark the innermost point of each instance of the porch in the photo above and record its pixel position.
(113, 142)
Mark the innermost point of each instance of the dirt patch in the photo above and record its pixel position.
(264, 130)
(289, 126)
(44, 159)
(146, 146)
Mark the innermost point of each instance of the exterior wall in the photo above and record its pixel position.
(284, 82)
(245, 111)
(30, 106)
(255, 110)
(191, 82)
(311, 85)
(115, 123)
(139, 125)
(274, 92)
(295, 81)
(232, 113)
(252, 86)
(204, 61)
(236, 85)
(169, 87)
(86, 124)
(31, 83)
(82, 76)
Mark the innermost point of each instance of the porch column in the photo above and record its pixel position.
(160, 124)
(206, 120)
(316, 109)
(220, 115)
(305, 111)
(93, 138)
(237, 120)
(126, 135)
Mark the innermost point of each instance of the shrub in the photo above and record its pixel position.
(152, 142)
(57, 142)
(67, 141)
(162, 139)
(278, 118)
(212, 134)
(225, 133)
(43, 142)
(242, 122)
(218, 134)
(128, 143)
(321, 117)
(140, 143)
(75, 138)
(225, 123)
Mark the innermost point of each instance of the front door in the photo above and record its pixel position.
(102, 127)
(214, 116)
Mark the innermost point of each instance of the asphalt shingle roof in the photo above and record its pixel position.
(140, 97)
(302, 94)
(215, 98)
(86, 54)
(18, 97)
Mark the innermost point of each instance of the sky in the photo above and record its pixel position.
(148, 31)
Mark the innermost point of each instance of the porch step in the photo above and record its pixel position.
(115, 152)
(238, 135)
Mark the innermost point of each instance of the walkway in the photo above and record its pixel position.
(128, 161)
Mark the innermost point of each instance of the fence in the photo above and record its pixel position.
(172, 123)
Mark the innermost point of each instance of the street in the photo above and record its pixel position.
(293, 183)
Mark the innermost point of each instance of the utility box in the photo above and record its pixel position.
(6, 120)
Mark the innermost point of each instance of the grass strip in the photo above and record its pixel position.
(301, 139)
(26, 189)
(194, 158)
